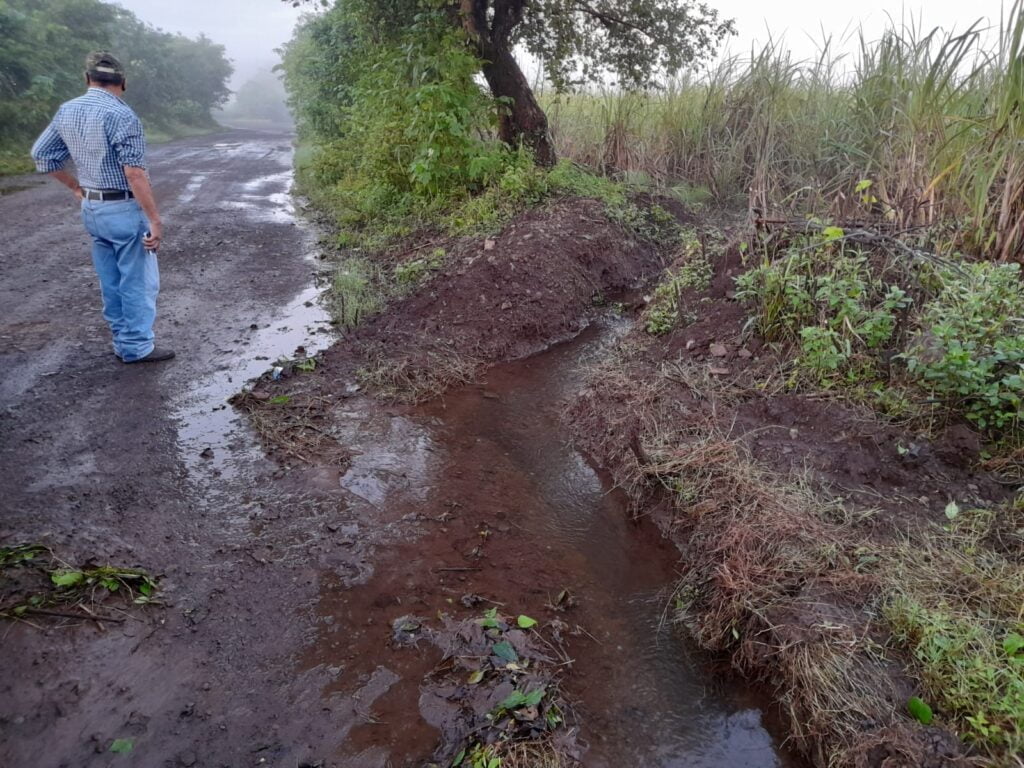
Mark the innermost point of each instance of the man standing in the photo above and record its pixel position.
(104, 138)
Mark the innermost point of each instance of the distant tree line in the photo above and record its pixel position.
(173, 80)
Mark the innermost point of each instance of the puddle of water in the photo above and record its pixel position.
(206, 421)
(647, 697)
(192, 188)
(211, 434)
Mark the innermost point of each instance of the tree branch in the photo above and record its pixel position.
(609, 20)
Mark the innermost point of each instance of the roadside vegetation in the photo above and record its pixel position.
(173, 81)
(865, 558)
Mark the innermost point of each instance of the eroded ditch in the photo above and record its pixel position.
(508, 511)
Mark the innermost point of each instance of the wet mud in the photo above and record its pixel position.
(282, 582)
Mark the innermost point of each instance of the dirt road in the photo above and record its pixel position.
(281, 586)
(101, 461)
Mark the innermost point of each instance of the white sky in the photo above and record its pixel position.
(251, 29)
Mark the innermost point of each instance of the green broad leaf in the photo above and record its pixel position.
(525, 622)
(863, 185)
(920, 711)
(1013, 643)
(533, 697)
(504, 650)
(514, 700)
(952, 510)
(476, 677)
(67, 578)
(121, 746)
(494, 762)
(458, 759)
(146, 588)
(832, 233)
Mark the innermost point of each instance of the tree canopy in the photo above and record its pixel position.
(632, 42)
(171, 78)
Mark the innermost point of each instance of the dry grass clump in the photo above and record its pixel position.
(289, 424)
(771, 578)
(954, 598)
(417, 378)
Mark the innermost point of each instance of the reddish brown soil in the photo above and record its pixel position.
(735, 390)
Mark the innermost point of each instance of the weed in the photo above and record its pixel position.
(953, 599)
(970, 349)
(691, 270)
(45, 582)
(414, 271)
(828, 301)
(355, 292)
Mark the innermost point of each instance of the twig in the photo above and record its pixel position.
(73, 615)
(453, 569)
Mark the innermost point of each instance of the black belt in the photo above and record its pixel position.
(105, 195)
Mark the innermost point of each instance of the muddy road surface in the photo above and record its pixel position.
(280, 585)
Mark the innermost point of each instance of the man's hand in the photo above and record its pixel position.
(156, 234)
(139, 182)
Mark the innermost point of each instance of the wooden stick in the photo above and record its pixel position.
(71, 615)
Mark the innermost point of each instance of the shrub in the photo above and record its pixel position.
(828, 301)
(970, 349)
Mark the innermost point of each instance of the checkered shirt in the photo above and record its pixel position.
(101, 133)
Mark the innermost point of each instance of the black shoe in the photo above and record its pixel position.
(156, 356)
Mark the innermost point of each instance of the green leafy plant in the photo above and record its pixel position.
(825, 298)
(692, 270)
(970, 347)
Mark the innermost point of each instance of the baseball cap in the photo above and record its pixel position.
(103, 63)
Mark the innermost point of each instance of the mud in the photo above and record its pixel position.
(281, 582)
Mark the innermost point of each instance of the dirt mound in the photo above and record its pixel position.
(537, 282)
(505, 297)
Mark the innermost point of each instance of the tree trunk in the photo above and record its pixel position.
(521, 119)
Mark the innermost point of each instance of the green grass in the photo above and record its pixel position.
(954, 602)
(15, 160)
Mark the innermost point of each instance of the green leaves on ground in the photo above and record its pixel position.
(920, 711)
(525, 622)
(518, 699)
(121, 746)
(504, 650)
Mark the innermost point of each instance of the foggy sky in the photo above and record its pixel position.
(251, 29)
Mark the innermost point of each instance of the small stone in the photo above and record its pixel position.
(793, 433)
(718, 371)
(745, 353)
(718, 350)
(489, 244)
(690, 344)
(261, 396)
(506, 305)
(206, 453)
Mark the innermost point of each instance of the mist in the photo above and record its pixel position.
(249, 29)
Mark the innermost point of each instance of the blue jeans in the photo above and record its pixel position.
(128, 274)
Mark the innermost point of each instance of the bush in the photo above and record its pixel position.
(970, 349)
(828, 301)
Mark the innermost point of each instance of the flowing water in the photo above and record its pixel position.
(646, 696)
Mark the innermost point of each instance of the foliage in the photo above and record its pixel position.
(970, 349)
(172, 79)
(953, 601)
(827, 299)
(933, 120)
(636, 41)
(406, 134)
(692, 270)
